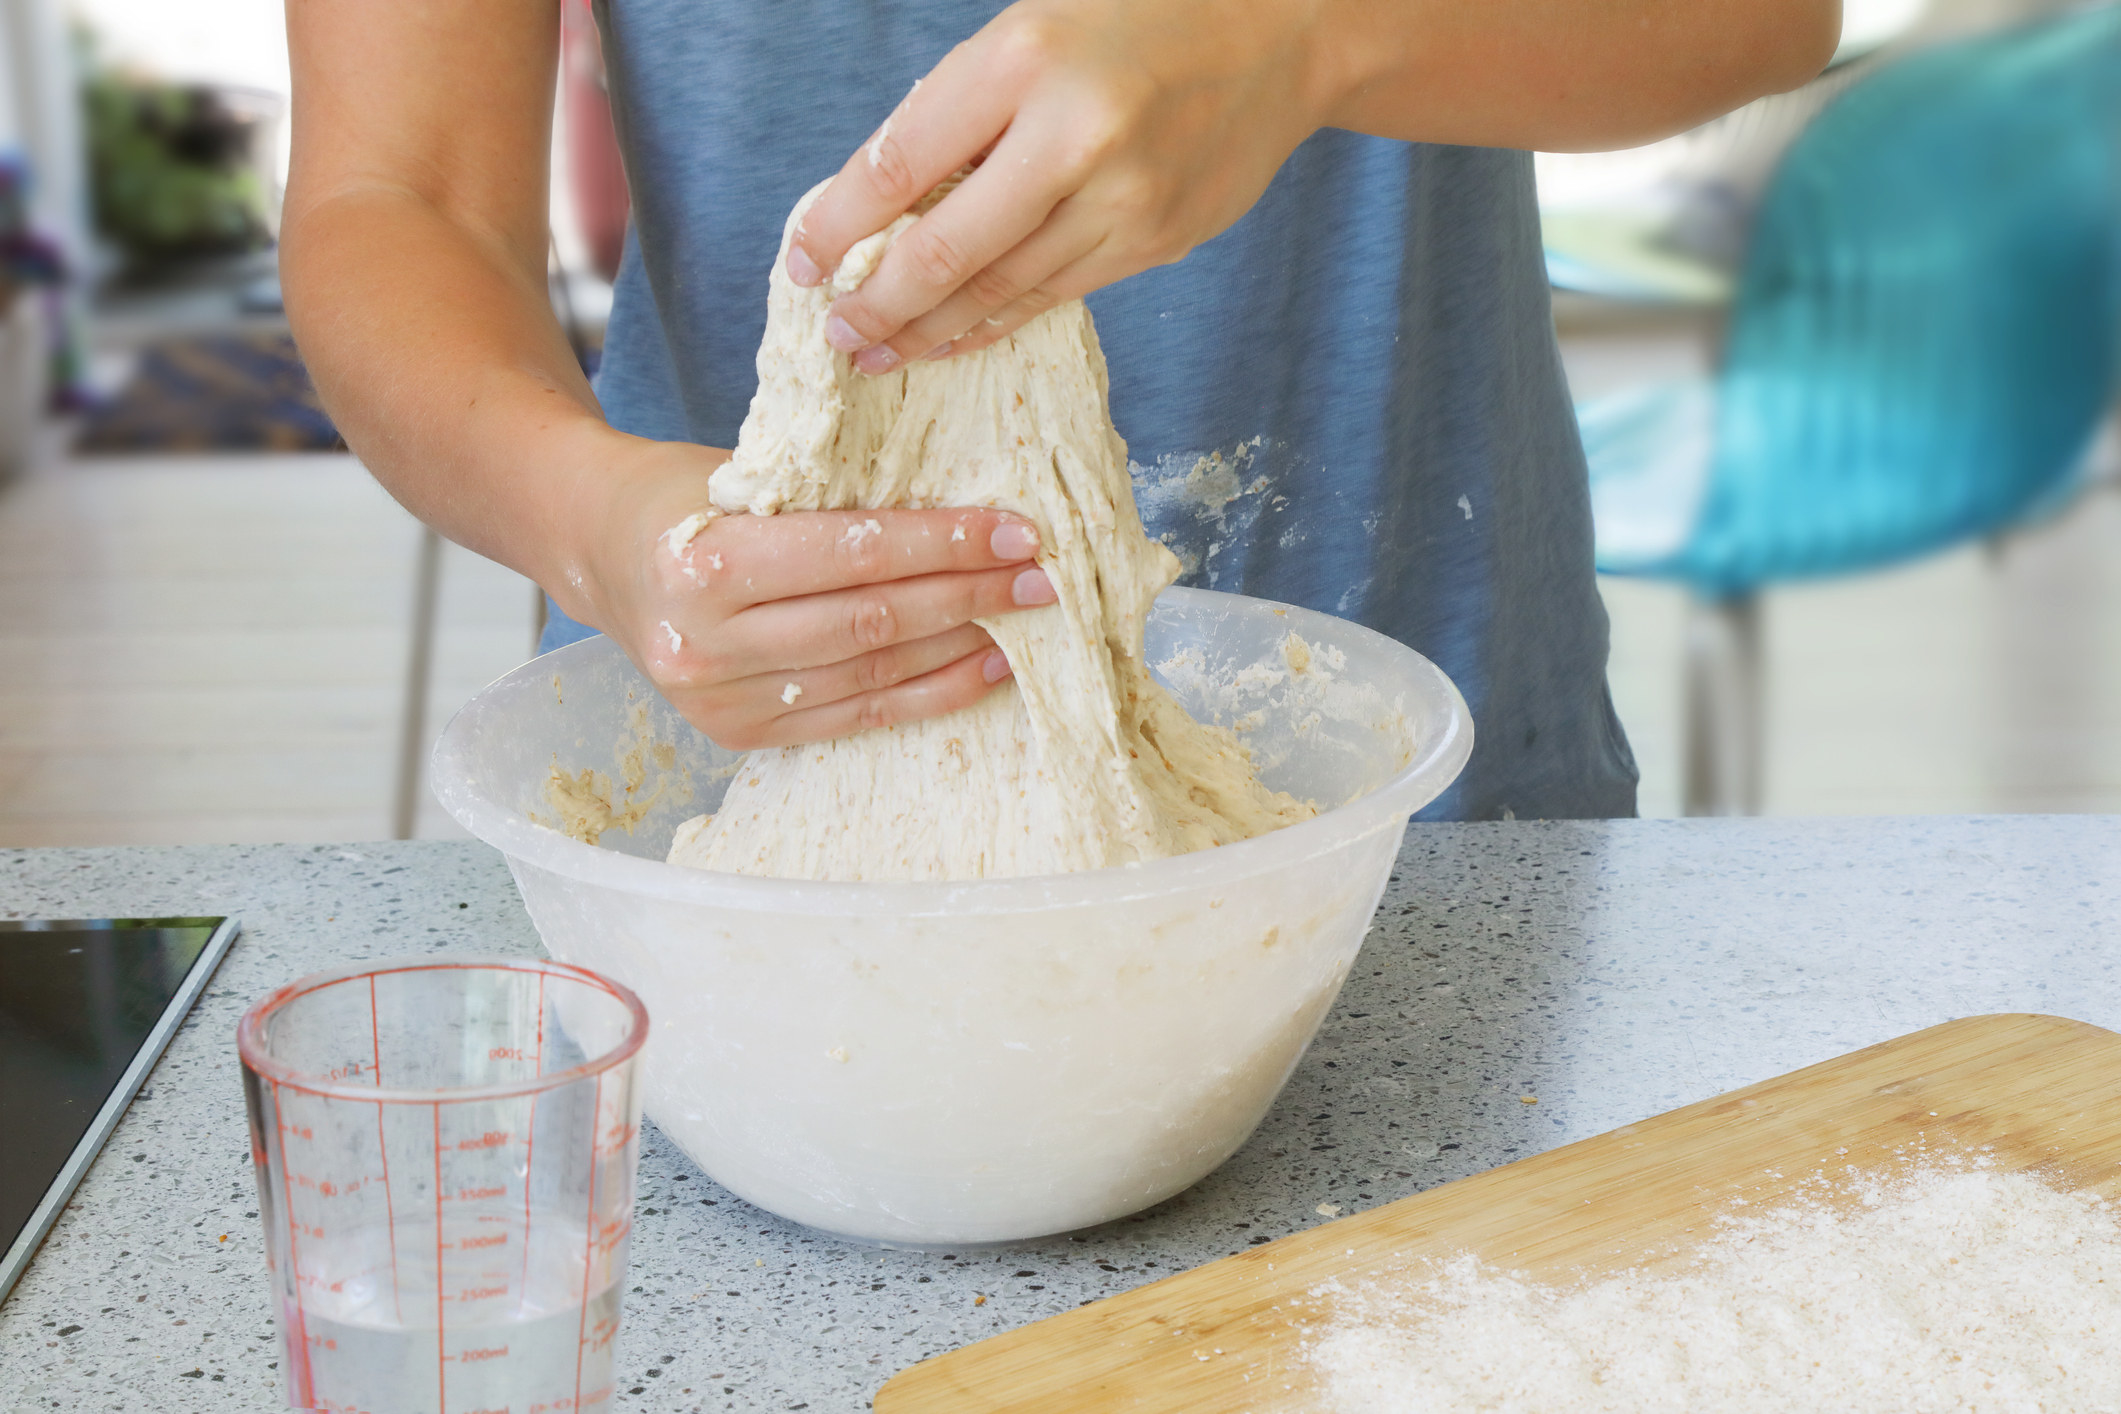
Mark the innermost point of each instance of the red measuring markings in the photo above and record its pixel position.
(615, 1139)
(491, 1139)
(601, 1334)
(332, 1406)
(390, 1208)
(587, 1259)
(326, 1188)
(608, 1233)
(493, 1190)
(469, 1357)
(484, 1239)
(482, 1293)
(505, 1053)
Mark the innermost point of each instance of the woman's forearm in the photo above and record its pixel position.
(413, 253)
(1560, 75)
(442, 364)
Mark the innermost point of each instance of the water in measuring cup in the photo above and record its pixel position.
(520, 1340)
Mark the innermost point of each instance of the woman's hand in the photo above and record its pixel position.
(776, 630)
(1111, 136)
(1114, 135)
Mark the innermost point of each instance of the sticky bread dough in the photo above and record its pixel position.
(1079, 760)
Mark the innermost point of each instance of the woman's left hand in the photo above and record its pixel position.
(1110, 136)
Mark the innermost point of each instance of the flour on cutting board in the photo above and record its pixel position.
(1948, 1287)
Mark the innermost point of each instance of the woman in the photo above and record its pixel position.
(1306, 228)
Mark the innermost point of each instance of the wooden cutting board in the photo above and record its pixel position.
(2038, 1092)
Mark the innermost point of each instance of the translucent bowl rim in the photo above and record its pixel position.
(1439, 756)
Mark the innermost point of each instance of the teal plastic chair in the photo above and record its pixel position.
(1923, 341)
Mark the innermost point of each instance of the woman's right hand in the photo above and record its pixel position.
(797, 627)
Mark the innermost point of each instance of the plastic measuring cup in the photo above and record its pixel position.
(445, 1155)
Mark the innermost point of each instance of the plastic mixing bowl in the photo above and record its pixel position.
(930, 1063)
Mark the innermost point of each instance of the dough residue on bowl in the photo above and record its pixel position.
(583, 802)
(1080, 760)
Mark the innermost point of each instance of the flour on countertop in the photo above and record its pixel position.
(1080, 760)
(1940, 1289)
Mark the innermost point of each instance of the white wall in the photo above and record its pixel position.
(215, 41)
(38, 115)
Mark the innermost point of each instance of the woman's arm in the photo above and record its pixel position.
(1560, 75)
(414, 257)
(1113, 135)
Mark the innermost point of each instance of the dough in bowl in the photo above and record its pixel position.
(1078, 761)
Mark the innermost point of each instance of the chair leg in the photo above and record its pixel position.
(419, 670)
(1725, 703)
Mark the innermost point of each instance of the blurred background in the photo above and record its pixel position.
(1845, 362)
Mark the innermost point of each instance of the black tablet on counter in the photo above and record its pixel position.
(86, 1008)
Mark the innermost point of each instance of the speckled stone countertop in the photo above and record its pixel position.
(1613, 970)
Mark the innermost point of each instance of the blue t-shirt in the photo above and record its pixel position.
(1350, 400)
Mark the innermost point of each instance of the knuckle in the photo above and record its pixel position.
(1026, 44)
(674, 574)
(705, 667)
(874, 671)
(672, 671)
(1036, 301)
(858, 549)
(935, 258)
(890, 173)
(673, 676)
(870, 622)
(992, 287)
(1104, 120)
(1132, 192)
(875, 710)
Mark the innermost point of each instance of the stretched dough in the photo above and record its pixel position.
(1080, 760)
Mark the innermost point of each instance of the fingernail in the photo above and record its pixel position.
(877, 358)
(1032, 588)
(941, 350)
(842, 336)
(802, 269)
(1014, 540)
(996, 667)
